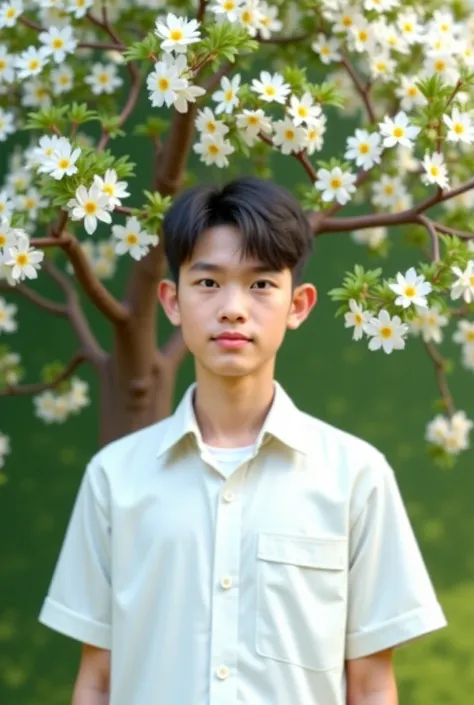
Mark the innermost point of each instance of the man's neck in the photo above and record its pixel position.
(231, 411)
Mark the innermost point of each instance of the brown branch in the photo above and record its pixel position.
(30, 389)
(326, 225)
(462, 234)
(214, 80)
(363, 91)
(299, 156)
(429, 225)
(113, 310)
(42, 302)
(76, 315)
(45, 242)
(439, 364)
(283, 40)
(132, 69)
(101, 46)
(201, 10)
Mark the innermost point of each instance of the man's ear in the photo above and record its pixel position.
(168, 297)
(303, 301)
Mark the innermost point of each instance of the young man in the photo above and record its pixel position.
(240, 551)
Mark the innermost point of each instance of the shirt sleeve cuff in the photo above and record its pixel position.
(395, 632)
(74, 625)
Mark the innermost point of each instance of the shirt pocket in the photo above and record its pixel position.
(301, 600)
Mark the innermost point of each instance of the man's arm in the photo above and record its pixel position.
(92, 684)
(371, 680)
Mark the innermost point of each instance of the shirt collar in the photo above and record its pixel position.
(284, 422)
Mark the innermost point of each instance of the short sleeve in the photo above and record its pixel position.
(78, 603)
(391, 599)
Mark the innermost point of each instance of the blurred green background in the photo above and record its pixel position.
(385, 399)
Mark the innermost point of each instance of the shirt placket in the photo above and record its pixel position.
(225, 596)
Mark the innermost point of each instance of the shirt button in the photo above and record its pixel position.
(222, 672)
(226, 582)
(229, 496)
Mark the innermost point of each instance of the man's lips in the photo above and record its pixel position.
(231, 336)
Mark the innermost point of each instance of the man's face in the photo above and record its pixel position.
(233, 312)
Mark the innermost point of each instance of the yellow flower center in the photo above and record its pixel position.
(458, 128)
(346, 21)
(408, 27)
(30, 203)
(471, 281)
(103, 78)
(229, 95)
(33, 64)
(3, 241)
(289, 134)
(358, 318)
(229, 5)
(22, 260)
(90, 207)
(388, 190)
(211, 126)
(398, 132)
(176, 35)
(11, 13)
(325, 50)
(64, 163)
(213, 149)
(364, 148)
(434, 171)
(410, 291)
(58, 43)
(252, 120)
(412, 91)
(363, 35)
(2, 64)
(335, 183)
(269, 90)
(302, 111)
(132, 239)
(246, 17)
(470, 336)
(64, 80)
(386, 332)
(109, 189)
(440, 65)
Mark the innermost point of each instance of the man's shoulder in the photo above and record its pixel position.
(134, 448)
(339, 444)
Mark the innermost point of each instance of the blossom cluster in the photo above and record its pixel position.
(4, 448)
(57, 407)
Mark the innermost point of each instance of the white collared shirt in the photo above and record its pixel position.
(249, 586)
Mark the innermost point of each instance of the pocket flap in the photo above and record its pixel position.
(310, 551)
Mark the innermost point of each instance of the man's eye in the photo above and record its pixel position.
(262, 284)
(207, 283)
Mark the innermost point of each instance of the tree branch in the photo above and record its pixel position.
(42, 302)
(201, 10)
(299, 156)
(429, 225)
(76, 315)
(112, 309)
(325, 225)
(361, 89)
(30, 389)
(439, 364)
(283, 40)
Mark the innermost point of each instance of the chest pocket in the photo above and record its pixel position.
(301, 600)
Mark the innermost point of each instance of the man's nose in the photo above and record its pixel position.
(233, 307)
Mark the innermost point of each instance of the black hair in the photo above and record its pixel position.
(272, 224)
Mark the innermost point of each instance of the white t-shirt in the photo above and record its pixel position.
(228, 459)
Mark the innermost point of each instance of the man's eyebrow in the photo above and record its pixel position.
(202, 266)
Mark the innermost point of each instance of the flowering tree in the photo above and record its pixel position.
(404, 70)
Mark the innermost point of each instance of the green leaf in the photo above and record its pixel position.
(47, 119)
(226, 39)
(149, 46)
(79, 113)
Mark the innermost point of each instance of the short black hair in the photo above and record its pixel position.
(270, 219)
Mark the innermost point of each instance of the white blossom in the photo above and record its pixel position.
(364, 149)
(114, 189)
(287, 136)
(385, 332)
(90, 205)
(227, 97)
(7, 317)
(436, 171)
(214, 149)
(356, 318)
(460, 127)
(24, 260)
(464, 284)
(271, 88)
(398, 131)
(428, 322)
(304, 110)
(335, 184)
(411, 289)
(132, 239)
(177, 33)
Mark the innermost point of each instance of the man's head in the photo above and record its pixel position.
(236, 256)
